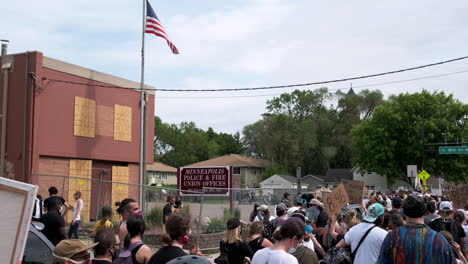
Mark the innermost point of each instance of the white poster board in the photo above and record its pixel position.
(16, 205)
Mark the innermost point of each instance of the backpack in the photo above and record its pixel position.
(449, 226)
(268, 229)
(128, 256)
(223, 257)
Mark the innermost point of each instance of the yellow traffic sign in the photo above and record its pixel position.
(423, 175)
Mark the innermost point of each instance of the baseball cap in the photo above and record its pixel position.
(375, 210)
(69, 247)
(263, 207)
(233, 223)
(446, 206)
(316, 202)
(281, 207)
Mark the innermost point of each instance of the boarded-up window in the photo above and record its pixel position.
(104, 120)
(119, 191)
(81, 169)
(85, 117)
(122, 123)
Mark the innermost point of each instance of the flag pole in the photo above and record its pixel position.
(142, 111)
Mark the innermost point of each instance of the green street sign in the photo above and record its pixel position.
(453, 150)
(424, 175)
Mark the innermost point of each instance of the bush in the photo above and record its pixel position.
(218, 225)
(154, 217)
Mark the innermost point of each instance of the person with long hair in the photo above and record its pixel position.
(76, 216)
(126, 208)
(177, 234)
(136, 226)
(237, 250)
(304, 254)
(288, 238)
(460, 258)
(256, 241)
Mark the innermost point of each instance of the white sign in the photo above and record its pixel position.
(412, 171)
(17, 201)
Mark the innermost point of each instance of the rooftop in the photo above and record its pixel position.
(234, 160)
(158, 166)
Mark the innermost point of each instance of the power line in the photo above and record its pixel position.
(277, 86)
(335, 89)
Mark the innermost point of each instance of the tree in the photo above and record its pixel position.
(183, 144)
(398, 131)
(305, 129)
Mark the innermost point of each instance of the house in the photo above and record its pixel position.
(280, 182)
(247, 170)
(65, 129)
(159, 173)
(335, 176)
(314, 182)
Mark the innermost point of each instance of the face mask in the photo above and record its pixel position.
(139, 213)
(184, 240)
(293, 249)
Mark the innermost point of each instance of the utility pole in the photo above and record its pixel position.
(298, 176)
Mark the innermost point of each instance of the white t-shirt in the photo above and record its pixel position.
(268, 256)
(309, 244)
(257, 218)
(370, 248)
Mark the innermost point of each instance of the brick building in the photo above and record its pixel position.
(61, 125)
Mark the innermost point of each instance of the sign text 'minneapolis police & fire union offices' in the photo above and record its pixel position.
(193, 180)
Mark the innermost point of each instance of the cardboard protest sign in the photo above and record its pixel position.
(14, 226)
(336, 200)
(355, 190)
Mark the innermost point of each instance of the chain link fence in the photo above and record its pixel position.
(208, 213)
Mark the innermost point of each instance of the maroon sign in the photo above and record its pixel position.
(214, 180)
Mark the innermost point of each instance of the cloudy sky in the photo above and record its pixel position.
(248, 43)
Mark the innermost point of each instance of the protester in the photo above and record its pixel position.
(431, 209)
(106, 247)
(236, 250)
(305, 255)
(140, 253)
(167, 210)
(455, 247)
(177, 235)
(396, 220)
(281, 211)
(460, 218)
(287, 239)
(320, 222)
(414, 242)
(369, 249)
(334, 231)
(71, 251)
(253, 215)
(286, 199)
(126, 208)
(388, 202)
(76, 218)
(53, 195)
(177, 206)
(104, 222)
(446, 223)
(37, 210)
(351, 219)
(256, 241)
(264, 214)
(54, 224)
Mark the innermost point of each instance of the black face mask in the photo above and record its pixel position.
(115, 254)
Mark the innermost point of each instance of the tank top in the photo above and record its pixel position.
(256, 244)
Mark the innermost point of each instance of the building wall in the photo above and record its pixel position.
(248, 177)
(155, 177)
(376, 180)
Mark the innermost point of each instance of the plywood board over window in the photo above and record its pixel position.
(122, 123)
(85, 117)
(119, 191)
(81, 169)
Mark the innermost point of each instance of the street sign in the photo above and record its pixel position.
(453, 150)
(412, 171)
(216, 180)
(424, 175)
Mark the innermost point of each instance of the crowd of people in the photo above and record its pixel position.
(385, 228)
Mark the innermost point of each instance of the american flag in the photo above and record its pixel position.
(154, 26)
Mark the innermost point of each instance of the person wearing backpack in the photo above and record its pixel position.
(446, 223)
(177, 234)
(233, 250)
(135, 251)
(366, 238)
(288, 239)
(256, 241)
